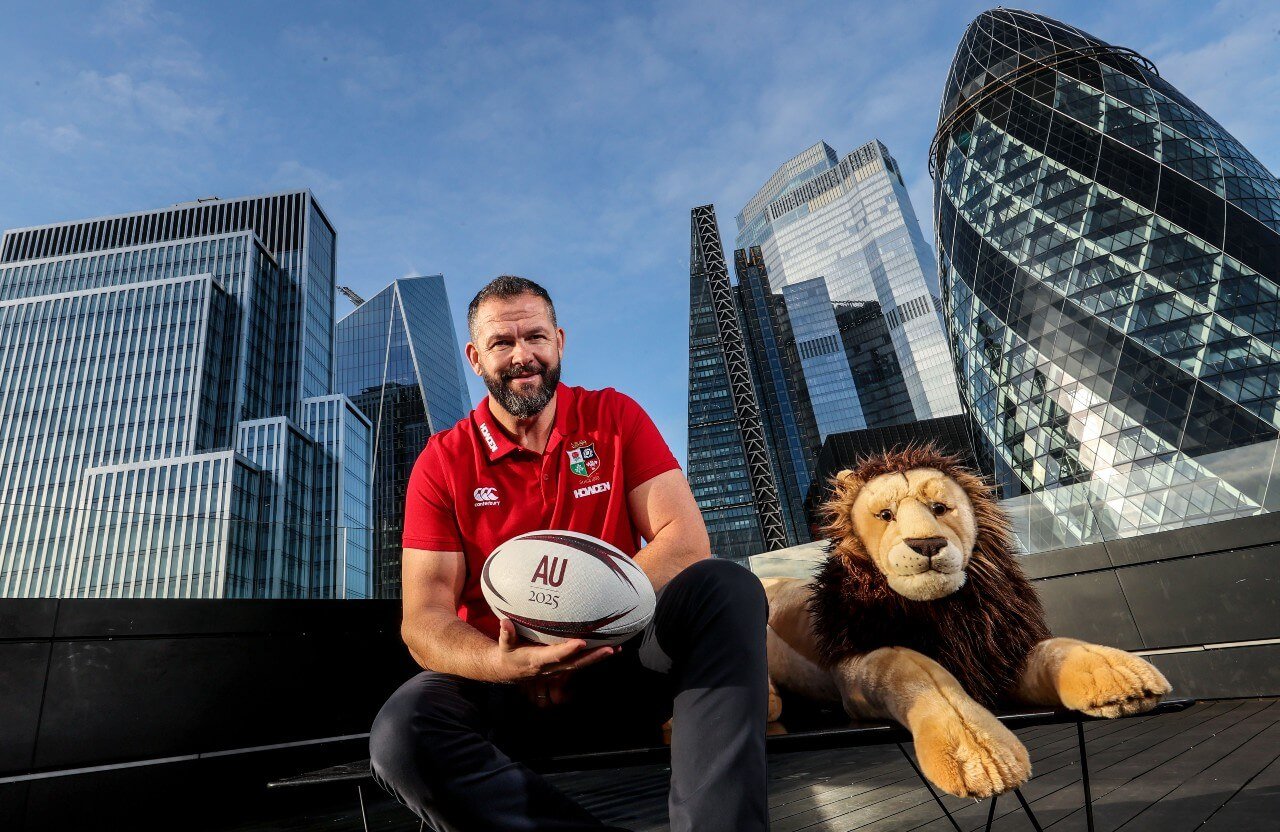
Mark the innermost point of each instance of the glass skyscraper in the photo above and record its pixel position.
(837, 407)
(1110, 265)
(732, 469)
(792, 434)
(400, 361)
(158, 372)
(839, 232)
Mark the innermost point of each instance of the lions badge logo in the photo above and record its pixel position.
(582, 458)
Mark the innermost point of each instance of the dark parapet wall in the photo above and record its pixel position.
(1200, 603)
(108, 704)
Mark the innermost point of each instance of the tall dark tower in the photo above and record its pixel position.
(1109, 258)
(793, 439)
(729, 467)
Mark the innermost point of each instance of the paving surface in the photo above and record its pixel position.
(1213, 767)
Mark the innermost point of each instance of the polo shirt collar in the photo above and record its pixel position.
(496, 442)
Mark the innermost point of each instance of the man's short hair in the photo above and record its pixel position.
(503, 287)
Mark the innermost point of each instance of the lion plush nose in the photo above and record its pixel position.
(927, 546)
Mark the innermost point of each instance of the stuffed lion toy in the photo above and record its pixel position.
(921, 614)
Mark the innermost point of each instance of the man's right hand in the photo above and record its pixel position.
(517, 661)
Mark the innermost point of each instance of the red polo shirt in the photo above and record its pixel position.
(473, 488)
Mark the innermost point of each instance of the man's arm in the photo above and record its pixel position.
(431, 584)
(664, 511)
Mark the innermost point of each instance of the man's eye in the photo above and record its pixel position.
(885, 514)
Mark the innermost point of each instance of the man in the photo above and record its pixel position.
(449, 741)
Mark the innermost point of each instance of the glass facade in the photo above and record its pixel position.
(134, 351)
(837, 407)
(754, 226)
(400, 361)
(780, 390)
(286, 456)
(877, 375)
(1110, 266)
(731, 467)
(342, 510)
(847, 230)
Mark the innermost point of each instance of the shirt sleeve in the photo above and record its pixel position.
(430, 521)
(645, 453)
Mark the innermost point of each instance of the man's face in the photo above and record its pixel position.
(517, 350)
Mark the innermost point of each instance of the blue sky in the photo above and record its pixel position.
(562, 141)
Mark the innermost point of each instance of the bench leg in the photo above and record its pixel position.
(364, 820)
(1026, 807)
(1084, 772)
(991, 813)
(929, 786)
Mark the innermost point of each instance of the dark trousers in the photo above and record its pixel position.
(450, 748)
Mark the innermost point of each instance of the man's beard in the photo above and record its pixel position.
(523, 406)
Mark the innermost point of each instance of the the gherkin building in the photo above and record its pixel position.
(1109, 259)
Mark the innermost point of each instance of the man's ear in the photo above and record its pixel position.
(837, 511)
(473, 357)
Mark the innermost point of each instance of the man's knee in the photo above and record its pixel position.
(425, 705)
(721, 592)
(717, 577)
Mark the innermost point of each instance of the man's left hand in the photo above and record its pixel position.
(545, 691)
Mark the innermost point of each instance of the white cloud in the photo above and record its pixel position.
(121, 18)
(62, 138)
(294, 174)
(124, 101)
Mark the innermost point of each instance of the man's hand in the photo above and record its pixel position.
(545, 691)
(523, 662)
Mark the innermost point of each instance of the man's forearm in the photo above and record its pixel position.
(672, 550)
(446, 644)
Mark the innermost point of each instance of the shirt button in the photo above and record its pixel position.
(546, 476)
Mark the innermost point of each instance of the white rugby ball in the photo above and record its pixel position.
(559, 585)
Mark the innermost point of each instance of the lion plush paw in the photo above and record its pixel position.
(775, 703)
(971, 754)
(1106, 682)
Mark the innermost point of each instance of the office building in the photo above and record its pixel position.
(731, 468)
(785, 411)
(843, 231)
(158, 373)
(1110, 266)
(400, 361)
(823, 364)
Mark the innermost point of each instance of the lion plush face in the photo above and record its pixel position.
(918, 527)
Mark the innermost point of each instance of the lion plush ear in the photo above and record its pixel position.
(837, 511)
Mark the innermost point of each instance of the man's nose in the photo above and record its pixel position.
(927, 546)
(521, 354)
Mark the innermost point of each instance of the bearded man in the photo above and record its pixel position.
(449, 743)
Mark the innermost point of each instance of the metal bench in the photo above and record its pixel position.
(810, 730)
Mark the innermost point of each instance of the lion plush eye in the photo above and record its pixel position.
(939, 509)
(885, 514)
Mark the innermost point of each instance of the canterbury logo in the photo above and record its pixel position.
(485, 496)
(588, 490)
(546, 571)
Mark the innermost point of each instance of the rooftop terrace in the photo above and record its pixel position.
(1213, 767)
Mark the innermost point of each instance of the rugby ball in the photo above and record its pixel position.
(559, 585)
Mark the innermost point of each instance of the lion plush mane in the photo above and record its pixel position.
(982, 633)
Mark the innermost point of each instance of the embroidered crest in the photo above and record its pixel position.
(582, 458)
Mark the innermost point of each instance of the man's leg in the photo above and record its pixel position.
(430, 747)
(708, 634)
